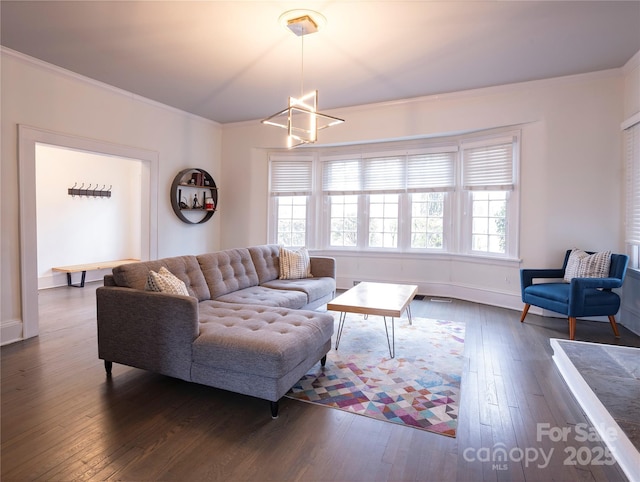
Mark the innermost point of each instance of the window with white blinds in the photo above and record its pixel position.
(290, 187)
(632, 177)
(488, 165)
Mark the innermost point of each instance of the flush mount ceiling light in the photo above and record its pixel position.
(301, 118)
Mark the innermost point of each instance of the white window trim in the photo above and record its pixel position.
(272, 208)
(463, 216)
(631, 184)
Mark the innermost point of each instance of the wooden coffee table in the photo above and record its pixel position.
(382, 299)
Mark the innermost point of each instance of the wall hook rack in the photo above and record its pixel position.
(88, 192)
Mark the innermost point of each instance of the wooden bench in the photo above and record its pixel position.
(76, 268)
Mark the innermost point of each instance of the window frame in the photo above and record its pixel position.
(294, 190)
(631, 150)
(276, 220)
(447, 231)
(498, 183)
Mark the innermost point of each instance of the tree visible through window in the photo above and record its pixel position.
(290, 186)
(344, 221)
(427, 220)
(489, 221)
(383, 220)
(292, 220)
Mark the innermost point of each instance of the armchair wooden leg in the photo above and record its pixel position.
(572, 327)
(525, 311)
(612, 320)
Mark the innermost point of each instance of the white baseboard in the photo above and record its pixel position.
(502, 299)
(474, 294)
(60, 279)
(10, 331)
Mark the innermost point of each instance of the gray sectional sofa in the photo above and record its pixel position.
(241, 329)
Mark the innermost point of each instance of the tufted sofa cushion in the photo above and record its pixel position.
(228, 271)
(266, 259)
(186, 268)
(314, 288)
(260, 295)
(264, 341)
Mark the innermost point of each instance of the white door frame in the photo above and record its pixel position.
(28, 137)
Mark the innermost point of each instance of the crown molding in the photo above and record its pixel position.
(54, 69)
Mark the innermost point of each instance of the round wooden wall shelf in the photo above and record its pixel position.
(194, 196)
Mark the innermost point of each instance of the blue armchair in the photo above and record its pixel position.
(581, 297)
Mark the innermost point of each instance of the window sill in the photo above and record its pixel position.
(467, 258)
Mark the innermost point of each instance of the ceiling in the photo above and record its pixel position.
(233, 61)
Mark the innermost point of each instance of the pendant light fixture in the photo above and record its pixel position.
(301, 118)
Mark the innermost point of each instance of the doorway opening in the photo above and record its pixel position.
(29, 140)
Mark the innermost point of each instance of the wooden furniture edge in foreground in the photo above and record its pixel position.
(76, 268)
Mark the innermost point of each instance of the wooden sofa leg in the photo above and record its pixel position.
(274, 409)
(525, 311)
(107, 367)
(323, 360)
(572, 327)
(612, 320)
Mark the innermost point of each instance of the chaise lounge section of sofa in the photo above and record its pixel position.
(240, 329)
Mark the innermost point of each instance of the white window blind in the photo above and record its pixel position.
(341, 176)
(632, 176)
(431, 171)
(413, 172)
(291, 177)
(488, 166)
(384, 174)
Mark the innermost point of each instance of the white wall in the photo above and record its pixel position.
(39, 95)
(85, 229)
(571, 177)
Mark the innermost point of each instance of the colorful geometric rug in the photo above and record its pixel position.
(418, 388)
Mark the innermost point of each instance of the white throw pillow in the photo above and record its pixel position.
(295, 264)
(584, 265)
(165, 281)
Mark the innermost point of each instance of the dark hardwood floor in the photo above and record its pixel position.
(63, 420)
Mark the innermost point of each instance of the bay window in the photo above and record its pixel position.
(453, 196)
